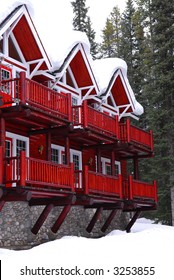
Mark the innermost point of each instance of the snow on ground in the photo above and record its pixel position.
(145, 253)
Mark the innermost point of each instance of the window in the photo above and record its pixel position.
(20, 146)
(74, 101)
(106, 167)
(55, 155)
(76, 161)
(7, 148)
(5, 75)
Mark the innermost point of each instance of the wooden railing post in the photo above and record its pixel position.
(85, 113)
(130, 187)
(70, 110)
(120, 185)
(1, 165)
(23, 168)
(22, 87)
(86, 179)
(117, 127)
(128, 128)
(72, 177)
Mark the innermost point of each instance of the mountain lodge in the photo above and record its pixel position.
(65, 140)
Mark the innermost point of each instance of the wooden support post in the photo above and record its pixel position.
(128, 130)
(99, 160)
(109, 220)
(113, 163)
(43, 216)
(85, 179)
(70, 112)
(67, 151)
(23, 169)
(85, 113)
(23, 96)
(130, 187)
(133, 220)
(48, 141)
(2, 133)
(2, 203)
(94, 219)
(61, 218)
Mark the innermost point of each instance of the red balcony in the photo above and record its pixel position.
(99, 122)
(39, 174)
(139, 191)
(136, 136)
(25, 91)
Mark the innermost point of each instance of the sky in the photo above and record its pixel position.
(62, 12)
(147, 253)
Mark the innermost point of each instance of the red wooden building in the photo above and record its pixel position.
(63, 140)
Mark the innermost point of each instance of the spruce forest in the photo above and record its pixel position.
(143, 35)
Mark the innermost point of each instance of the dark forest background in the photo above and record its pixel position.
(143, 35)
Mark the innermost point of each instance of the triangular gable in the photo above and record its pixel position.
(119, 94)
(21, 40)
(78, 69)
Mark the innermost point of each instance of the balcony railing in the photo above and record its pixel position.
(39, 96)
(138, 190)
(132, 134)
(26, 171)
(88, 117)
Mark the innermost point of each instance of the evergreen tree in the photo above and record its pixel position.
(82, 22)
(107, 48)
(80, 15)
(158, 89)
(111, 35)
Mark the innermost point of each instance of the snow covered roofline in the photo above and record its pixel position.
(112, 78)
(108, 76)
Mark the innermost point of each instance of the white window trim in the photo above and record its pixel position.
(107, 160)
(72, 152)
(16, 137)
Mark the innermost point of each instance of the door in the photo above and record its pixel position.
(8, 164)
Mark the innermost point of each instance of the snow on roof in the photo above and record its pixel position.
(59, 39)
(105, 68)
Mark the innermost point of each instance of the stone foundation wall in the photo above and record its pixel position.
(17, 219)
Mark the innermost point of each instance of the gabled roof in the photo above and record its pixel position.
(19, 26)
(115, 89)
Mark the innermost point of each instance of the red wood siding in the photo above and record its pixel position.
(26, 40)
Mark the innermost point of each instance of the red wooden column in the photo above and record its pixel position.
(113, 163)
(85, 113)
(2, 135)
(48, 143)
(67, 151)
(99, 160)
(22, 84)
(23, 169)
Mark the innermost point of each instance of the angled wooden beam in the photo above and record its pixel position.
(132, 221)
(109, 220)
(43, 216)
(61, 218)
(2, 203)
(94, 219)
